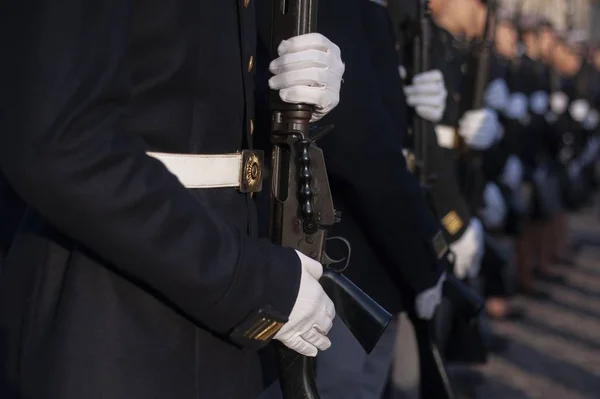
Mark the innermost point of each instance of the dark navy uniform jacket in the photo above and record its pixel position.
(121, 283)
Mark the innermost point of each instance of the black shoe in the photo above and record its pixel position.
(548, 277)
(563, 261)
(533, 293)
(498, 344)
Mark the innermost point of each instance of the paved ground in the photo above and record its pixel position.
(555, 352)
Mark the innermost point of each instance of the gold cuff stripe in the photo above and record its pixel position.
(452, 222)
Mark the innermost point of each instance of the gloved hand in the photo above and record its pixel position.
(516, 107)
(579, 110)
(496, 94)
(312, 315)
(468, 251)
(479, 128)
(427, 95)
(427, 301)
(494, 211)
(591, 120)
(445, 136)
(309, 70)
(512, 174)
(559, 102)
(538, 102)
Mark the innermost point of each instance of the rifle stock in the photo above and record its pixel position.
(301, 208)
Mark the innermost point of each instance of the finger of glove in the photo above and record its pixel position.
(312, 77)
(313, 267)
(305, 60)
(302, 60)
(301, 346)
(431, 100)
(428, 77)
(430, 89)
(431, 114)
(308, 41)
(317, 339)
(323, 98)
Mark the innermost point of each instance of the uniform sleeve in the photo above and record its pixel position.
(365, 161)
(65, 86)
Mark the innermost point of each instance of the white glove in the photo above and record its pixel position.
(591, 120)
(468, 251)
(494, 211)
(496, 94)
(517, 105)
(312, 315)
(559, 102)
(538, 102)
(479, 128)
(427, 95)
(579, 110)
(427, 301)
(309, 70)
(445, 136)
(512, 173)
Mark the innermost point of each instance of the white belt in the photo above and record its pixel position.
(240, 170)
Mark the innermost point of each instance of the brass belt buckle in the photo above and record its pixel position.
(252, 171)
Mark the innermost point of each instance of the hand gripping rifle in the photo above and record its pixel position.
(435, 383)
(301, 206)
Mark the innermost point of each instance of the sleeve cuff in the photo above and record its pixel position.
(261, 296)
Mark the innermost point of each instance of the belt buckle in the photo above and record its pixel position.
(252, 171)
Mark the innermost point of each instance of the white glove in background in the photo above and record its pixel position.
(559, 102)
(312, 315)
(512, 174)
(445, 136)
(579, 110)
(309, 70)
(402, 72)
(427, 301)
(496, 94)
(591, 120)
(538, 102)
(494, 211)
(468, 251)
(479, 128)
(517, 106)
(427, 94)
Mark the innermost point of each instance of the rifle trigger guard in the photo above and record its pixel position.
(328, 261)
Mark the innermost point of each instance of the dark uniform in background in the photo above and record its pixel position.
(12, 208)
(121, 283)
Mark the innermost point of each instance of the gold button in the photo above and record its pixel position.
(246, 2)
(251, 126)
(250, 63)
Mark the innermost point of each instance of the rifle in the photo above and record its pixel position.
(434, 377)
(302, 206)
